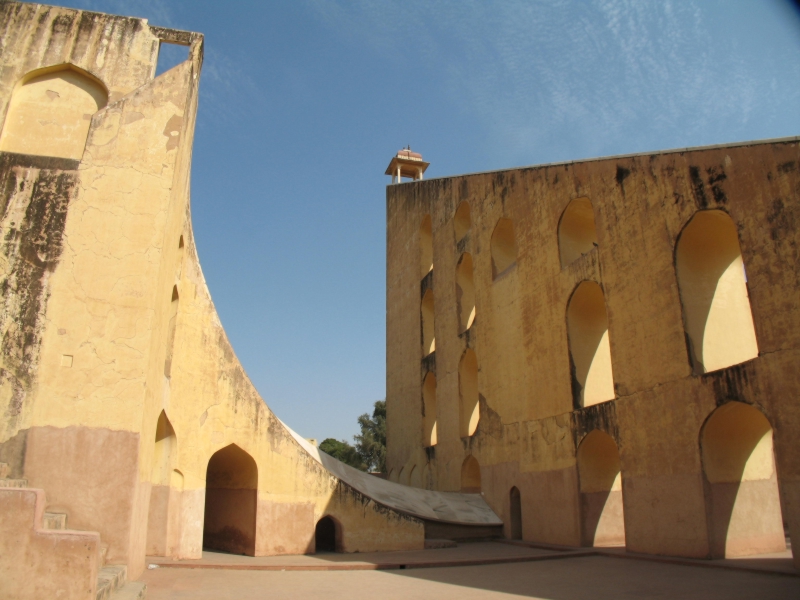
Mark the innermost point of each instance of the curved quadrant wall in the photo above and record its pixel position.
(231, 496)
(742, 499)
(51, 111)
(576, 231)
(713, 288)
(590, 350)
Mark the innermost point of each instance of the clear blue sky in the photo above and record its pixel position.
(304, 102)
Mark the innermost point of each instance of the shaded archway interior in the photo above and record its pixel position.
(231, 501)
(469, 405)
(166, 485)
(515, 513)
(713, 289)
(504, 247)
(465, 292)
(577, 234)
(325, 535)
(600, 481)
(427, 310)
(462, 221)
(429, 429)
(741, 485)
(470, 476)
(590, 349)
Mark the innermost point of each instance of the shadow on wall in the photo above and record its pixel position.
(231, 500)
(600, 482)
(741, 485)
(713, 288)
(515, 514)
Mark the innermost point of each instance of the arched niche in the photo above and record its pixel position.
(590, 350)
(429, 429)
(465, 292)
(163, 513)
(470, 476)
(577, 234)
(231, 502)
(742, 498)
(426, 246)
(469, 398)
(50, 112)
(171, 326)
(328, 535)
(462, 221)
(426, 318)
(504, 247)
(515, 513)
(600, 481)
(713, 289)
(415, 477)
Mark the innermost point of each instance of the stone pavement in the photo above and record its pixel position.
(488, 570)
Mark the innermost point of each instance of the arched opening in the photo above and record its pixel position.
(576, 231)
(465, 292)
(429, 410)
(600, 481)
(469, 405)
(231, 501)
(427, 477)
(713, 288)
(327, 537)
(415, 477)
(50, 112)
(504, 247)
(462, 220)
(590, 350)
(173, 321)
(742, 498)
(402, 477)
(161, 489)
(515, 514)
(391, 476)
(180, 257)
(426, 316)
(426, 246)
(470, 476)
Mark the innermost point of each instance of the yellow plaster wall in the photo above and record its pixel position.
(530, 421)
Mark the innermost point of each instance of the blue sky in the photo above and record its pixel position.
(303, 103)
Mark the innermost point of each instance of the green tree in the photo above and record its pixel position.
(371, 444)
(341, 450)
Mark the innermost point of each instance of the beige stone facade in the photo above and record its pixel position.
(129, 427)
(606, 348)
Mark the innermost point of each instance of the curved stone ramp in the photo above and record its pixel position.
(445, 507)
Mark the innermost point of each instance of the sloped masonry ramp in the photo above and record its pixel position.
(445, 507)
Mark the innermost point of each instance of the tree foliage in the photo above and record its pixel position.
(371, 444)
(341, 450)
(369, 453)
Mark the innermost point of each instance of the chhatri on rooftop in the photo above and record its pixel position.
(406, 163)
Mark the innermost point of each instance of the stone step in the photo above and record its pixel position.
(135, 590)
(13, 483)
(109, 579)
(54, 520)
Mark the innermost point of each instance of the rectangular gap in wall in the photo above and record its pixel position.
(170, 55)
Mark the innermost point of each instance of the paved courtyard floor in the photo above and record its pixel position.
(491, 570)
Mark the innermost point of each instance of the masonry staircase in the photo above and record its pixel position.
(45, 550)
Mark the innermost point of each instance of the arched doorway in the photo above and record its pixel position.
(713, 288)
(326, 535)
(600, 483)
(741, 484)
(515, 514)
(470, 476)
(231, 501)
